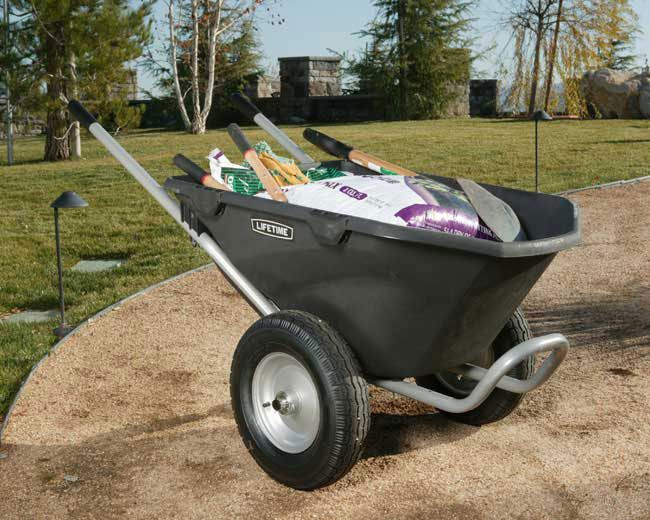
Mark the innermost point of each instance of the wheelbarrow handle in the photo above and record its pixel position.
(260, 302)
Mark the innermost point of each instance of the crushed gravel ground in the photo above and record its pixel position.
(132, 416)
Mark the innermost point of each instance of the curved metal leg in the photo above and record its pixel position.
(489, 379)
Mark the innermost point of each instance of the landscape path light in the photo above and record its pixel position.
(67, 200)
(538, 116)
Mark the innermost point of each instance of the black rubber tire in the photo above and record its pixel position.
(500, 403)
(342, 390)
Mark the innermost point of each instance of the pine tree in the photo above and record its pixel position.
(416, 55)
(79, 48)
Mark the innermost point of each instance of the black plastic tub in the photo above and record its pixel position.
(410, 302)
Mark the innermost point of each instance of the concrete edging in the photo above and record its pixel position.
(607, 185)
(82, 326)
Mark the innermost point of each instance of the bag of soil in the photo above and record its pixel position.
(417, 202)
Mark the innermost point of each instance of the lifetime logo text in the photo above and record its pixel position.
(272, 229)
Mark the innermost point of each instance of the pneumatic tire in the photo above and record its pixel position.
(299, 399)
(500, 403)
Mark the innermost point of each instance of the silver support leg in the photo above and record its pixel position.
(262, 304)
(491, 378)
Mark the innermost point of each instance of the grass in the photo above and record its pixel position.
(122, 221)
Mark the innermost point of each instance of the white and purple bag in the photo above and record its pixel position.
(416, 202)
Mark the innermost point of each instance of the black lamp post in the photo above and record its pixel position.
(538, 116)
(68, 199)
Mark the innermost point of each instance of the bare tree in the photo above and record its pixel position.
(531, 21)
(553, 55)
(195, 28)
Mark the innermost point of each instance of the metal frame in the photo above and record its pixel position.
(261, 303)
(489, 379)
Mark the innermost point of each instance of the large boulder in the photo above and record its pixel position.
(618, 94)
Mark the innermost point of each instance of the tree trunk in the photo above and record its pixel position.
(57, 137)
(552, 57)
(57, 143)
(76, 127)
(198, 125)
(539, 35)
(401, 14)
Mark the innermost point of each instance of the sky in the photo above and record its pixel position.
(314, 26)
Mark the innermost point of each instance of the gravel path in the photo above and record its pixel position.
(132, 417)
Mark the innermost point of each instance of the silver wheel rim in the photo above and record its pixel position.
(285, 402)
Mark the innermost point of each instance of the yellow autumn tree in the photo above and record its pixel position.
(559, 40)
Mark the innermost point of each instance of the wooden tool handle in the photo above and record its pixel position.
(271, 185)
(265, 177)
(376, 164)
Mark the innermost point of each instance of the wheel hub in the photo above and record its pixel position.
(285, 402)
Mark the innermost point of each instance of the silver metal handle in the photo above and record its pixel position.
(262, 304)
(489, 379)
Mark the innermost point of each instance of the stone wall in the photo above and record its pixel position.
(307, 76)
(459, 105)
(262, 87)
(323, 109)
(484, 98)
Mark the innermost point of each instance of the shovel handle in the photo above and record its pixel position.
(249, 153)
(343, 151)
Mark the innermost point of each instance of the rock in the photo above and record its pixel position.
(4, 456)
(71, 478)
(618, 94)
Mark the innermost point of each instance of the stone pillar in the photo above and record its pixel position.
(484, 97)
(309, 76)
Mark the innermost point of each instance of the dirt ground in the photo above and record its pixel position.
(132, 416)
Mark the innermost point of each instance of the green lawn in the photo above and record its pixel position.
(123, 222)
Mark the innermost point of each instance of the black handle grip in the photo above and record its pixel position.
(245, 105)
(327, 143)
(190, 167)
(81, 114)
(239, 138)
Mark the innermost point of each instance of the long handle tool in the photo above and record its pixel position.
(343, 151)
(249, 153)
(246, 107)
(197, 173)
(496, 214)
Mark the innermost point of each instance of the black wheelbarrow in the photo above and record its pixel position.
(345, 301)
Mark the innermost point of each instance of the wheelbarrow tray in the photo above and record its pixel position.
(410, 302)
